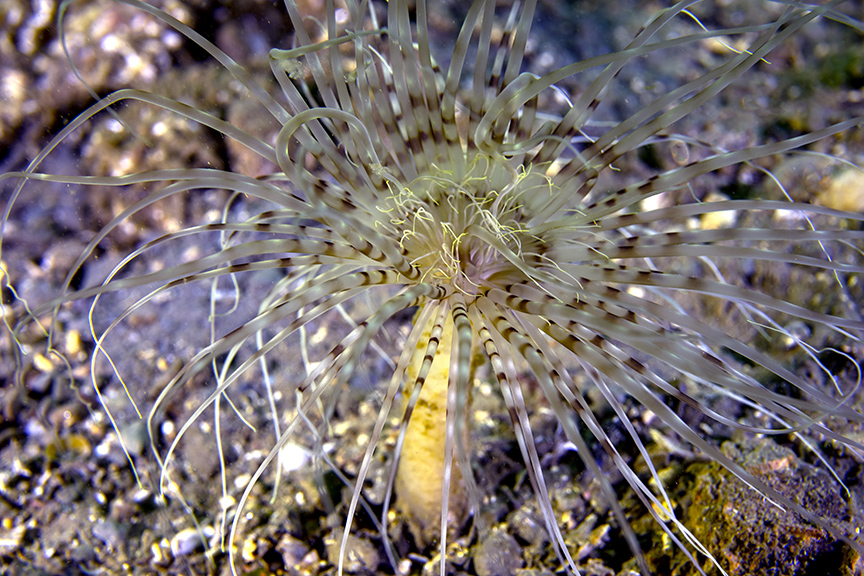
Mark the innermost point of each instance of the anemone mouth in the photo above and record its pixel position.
(400, 187)
(444, 219)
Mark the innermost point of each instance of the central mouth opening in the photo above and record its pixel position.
(460, 224)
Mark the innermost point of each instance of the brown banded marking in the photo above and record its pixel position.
(510, 387)
(431, 347)
(571, 339)
(581, 109)
(549, 379)
(281, 310)
(411, 89)
(624, 327)
(624, 275)
(688, 357)
(615, 372)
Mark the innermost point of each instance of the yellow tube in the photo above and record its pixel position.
(420, 477)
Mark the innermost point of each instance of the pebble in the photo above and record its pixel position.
(189, 540)
(846, 192)
(361, 557)
(498, 555)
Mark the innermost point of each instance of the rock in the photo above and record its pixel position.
(498, 555)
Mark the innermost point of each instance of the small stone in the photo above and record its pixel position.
(11, 539)
(189, 540)
(109, 533)
(846, 192)
(498, 555)
(361, 557)
(292, 550)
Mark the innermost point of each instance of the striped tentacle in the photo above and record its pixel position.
(357, 99)
(193, 178)
(576, 222)
(595, 362)
(681, 354)
(520, 123)
(614, 144)
(323, 80)
(378, 79)
(637, 250)
(333, 370)
(622, 274)
(432, 83)
(414, 386)
(511, 390)
(230, 345)
(520, 39)
(353, 178)
(681, 239)
(598, 317)
(348, 138)
(185, 180)
(458, 402)
(407, 298)
(554, 389)
(347, 168)
(526, 87)
(375, 99)
(368, 241)
(278, 60)
(479, 86)
(636, 130)
(534, 328)
(315, 289)
(703, 244)
(588, 101)
(628, 376)
(620, 306)
(500, 47)
(601, 208)
(454, 140)
(509, 50)
(220, 264)
(703, 367)
(410, 89)
(329, 374)
(692, 358)
(639, 323)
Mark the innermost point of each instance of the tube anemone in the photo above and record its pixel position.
(542, 254)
